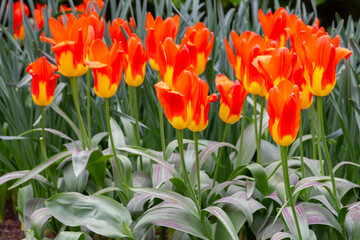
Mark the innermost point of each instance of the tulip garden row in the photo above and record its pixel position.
(236, 125)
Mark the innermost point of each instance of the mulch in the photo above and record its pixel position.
(10, 229)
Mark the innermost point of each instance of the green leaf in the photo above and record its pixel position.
(67, 119)
(99, 214)
(179, 183)
(224, 219)
(41, 167)
(96, 168)
(72, 236)
(74, 183)
(39, 220)
(79, 160)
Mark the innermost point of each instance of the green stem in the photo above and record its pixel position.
(313, 131)
(242, 133)
(220, 155)
(258, 159)
(74, 88)
(162, 132)
(287, 187)
(43, 129)
(196, 142)
(132, 113)
(260, 126)
(113, 146)
(179, 134)
(301, 150)
(88, 104)
(137, 125)
(327, 155)
(318, 136)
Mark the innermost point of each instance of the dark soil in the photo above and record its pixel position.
(10, 229)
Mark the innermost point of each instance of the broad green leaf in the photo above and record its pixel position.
(74, 183)
(302, 220)
(19, 174)
(96, 168)
(72, 236)
(99, 214)
(224, 219)
(39, 220)
(79, 160)
(41, 167)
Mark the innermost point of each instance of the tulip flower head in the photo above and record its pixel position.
(18, 26)
(200, 119)
(179, 100)
(199, 41)
(71, 44)
(158, 30)
(43, 81)
(274, 26)
(284, 106)
(107, 67)
(135, 62)
(247, 46)
(172, 60)
(115, 30)
(320, 56)
(232, 96)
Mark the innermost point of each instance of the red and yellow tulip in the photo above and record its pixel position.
(320, 56)
(199, 41)
(43, 82)
(200, 118)
(107, 67)
(178, 100)
(135, 61)
(71, 44)
(274, 26)
(284, 106)
(247, 46)
(18, 26)
(172, 60)
(157, 31)
(116, 32)
(232, 96)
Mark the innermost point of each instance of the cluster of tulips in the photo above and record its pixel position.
(286, 77)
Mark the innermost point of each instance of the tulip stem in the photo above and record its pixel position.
(43, 129)
(242, 133)
(132, 113)
(318, 136)
(261, 122)
(327, 155)
(137, 125)
(301, 149)
(75, 94)
(220, 155)
(313, 131)
(284, 162)
(258, 159)
(196, 143)
(179, 134)
(88, 104)
(113, 145)
(161, 120)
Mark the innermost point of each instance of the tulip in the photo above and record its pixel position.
(172, 60)
(199, 41)
(274, 26)
(71, 44)
(43, 82)
(158, 30)
(179, 100)
(284, 105)
(115, 30)
(200, 119)
(232, 96)
(135, 62)
(18, 26)
(320, 56)
(247, 46)
(107, 67)
(92, 4)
